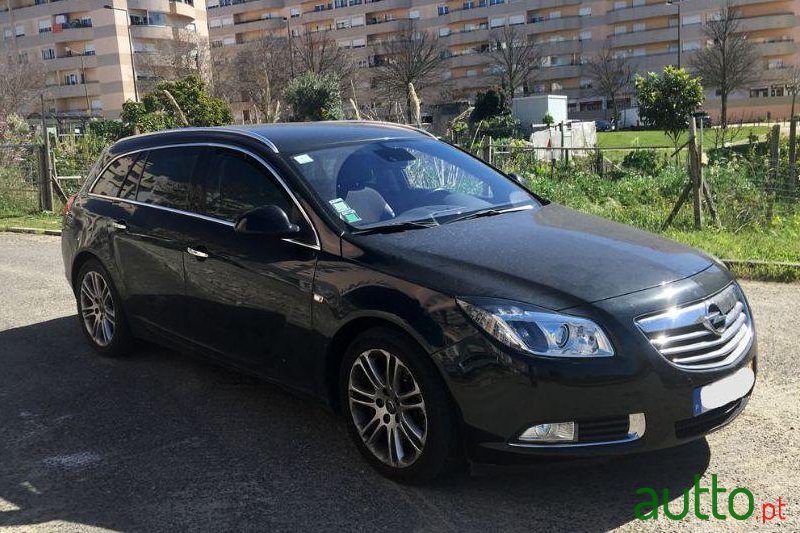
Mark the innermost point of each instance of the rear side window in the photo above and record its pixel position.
(110, 181)
(167, 176)
(128, 190)
(236, 183)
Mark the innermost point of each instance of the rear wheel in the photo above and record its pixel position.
(100, 311)
(396, 407)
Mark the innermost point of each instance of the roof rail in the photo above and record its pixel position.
(207, 129)
(387, 123)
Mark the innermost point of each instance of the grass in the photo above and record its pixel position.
(37, 221)
(628, 139)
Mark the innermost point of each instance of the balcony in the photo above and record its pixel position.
(266, 23)
(240, 6)
(76, 90)
(542, 25)
(71, 62)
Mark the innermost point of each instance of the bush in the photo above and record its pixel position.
(645, 161)
(315, 97)
(504, 125)
(488, 105)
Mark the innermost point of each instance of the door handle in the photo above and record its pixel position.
(200, 254)
(119, 224)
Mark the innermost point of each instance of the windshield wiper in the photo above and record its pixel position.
(397, 226)
(490, 212)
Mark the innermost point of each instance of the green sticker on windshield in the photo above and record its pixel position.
(346, 212)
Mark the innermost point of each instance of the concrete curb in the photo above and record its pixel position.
(34, 231)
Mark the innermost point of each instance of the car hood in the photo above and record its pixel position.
(550, 256)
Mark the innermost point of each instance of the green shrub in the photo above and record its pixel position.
(645, 161)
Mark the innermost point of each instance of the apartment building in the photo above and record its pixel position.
(569, 32)
(87, 48)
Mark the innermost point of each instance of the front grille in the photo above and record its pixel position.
(708, 421)
(605, 430)
(707, 334)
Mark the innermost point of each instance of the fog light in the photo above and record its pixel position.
(555, 432)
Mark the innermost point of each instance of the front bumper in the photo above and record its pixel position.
(501, 393)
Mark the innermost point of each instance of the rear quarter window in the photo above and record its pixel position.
(110, 181)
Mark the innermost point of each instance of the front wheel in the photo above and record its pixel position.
(100, 311)
(396, 408)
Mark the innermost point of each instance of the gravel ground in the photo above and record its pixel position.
(165, 442)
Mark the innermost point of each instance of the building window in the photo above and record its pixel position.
(554, 15)
(359, 43)
(20, 29)
(639, 26)
(48, 53)
(443, 10)
(444, 32)
(497, 22)
(357, 21)
(778, 90)
(692, 19)
(97, 105)
(619, 30)
(295, 12)
(761, 92)
(413, 14)
(585, 12)
(620, 4)
(215, 23)
(513, 20)
(585, 36)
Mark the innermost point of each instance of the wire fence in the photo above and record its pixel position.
(20, 171)
(749, 183)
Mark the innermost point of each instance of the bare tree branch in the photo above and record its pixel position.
(172, 59)
(413, 57)
(21, 82)
(317, 52)
(515, 59)
(258, 71)
(612, 77)
(730, 61)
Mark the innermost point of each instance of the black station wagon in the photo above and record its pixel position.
(447, 312)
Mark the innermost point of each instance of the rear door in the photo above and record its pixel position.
(150, 247)
(250, 295)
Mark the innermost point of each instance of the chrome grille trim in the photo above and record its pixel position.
(696, 337)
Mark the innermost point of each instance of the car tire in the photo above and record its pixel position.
(414, 408)
(100, 313)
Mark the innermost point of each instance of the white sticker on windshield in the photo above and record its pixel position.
(303, 159)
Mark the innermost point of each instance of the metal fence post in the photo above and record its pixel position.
(792, 155)
(695, 168)
(45, 185)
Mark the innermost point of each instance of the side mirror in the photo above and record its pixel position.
(516, 177)
(268, 220)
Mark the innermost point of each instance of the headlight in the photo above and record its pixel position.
(539, 332)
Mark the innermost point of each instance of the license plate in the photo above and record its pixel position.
(724, 391)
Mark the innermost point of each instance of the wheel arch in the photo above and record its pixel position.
(80, 259)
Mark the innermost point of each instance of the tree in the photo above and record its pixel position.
(413, 58)
(316, 52)
(259, 72)
(666, 100)
(515, 59)
(173, 104)
(730, 62)
(488, 104)
(315, 97)
(21, 82)
(173, 59)
(612, 77)
(792, 81)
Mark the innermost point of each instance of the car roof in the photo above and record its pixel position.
(283, 137)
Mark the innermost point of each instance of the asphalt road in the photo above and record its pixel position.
(162, 441)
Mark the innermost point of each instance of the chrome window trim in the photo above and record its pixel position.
(265, 164)
(197, 129)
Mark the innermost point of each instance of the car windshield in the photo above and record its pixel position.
(391, 182)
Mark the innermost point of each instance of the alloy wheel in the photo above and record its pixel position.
(387, 407)
(97, 308)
